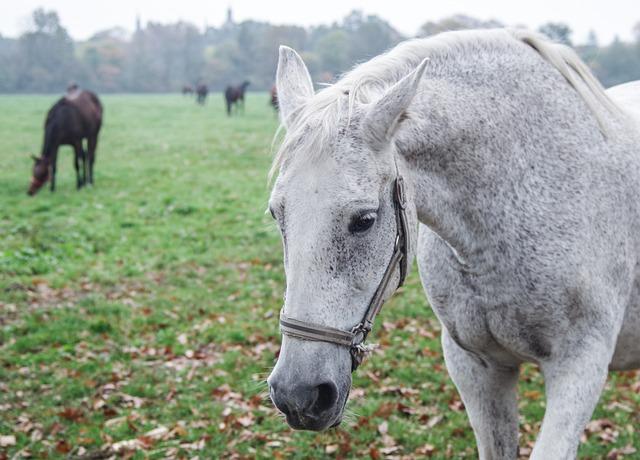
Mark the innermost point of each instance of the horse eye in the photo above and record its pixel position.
(273, 214)
(362, 222)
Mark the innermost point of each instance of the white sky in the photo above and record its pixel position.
(84, 17)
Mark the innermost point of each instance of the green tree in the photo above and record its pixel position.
(456, 22)
(333, 52)
(46, 60)
(7, 64)
(103, 60)
(618, 63)
(368, 36)
(557, 31)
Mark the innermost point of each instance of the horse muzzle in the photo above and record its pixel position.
(310, 384)
(309, 407)
(35, 186)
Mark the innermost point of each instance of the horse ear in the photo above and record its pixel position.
(385, 115)
(293, 83)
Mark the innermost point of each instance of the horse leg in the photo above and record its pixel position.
(573, 385)
(78, 160)
(92, 144)
(54, 161)
(489, 393)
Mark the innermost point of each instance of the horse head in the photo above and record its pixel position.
(335, 203)
(40, 174)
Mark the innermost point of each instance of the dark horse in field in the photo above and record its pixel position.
(75, 117)
(187, 90)
(235, 95)
(274, 98)
(201, 93)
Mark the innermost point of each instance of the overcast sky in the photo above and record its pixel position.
(84, 17)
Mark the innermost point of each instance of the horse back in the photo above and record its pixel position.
(627, 96)
(89, 107)
(75, 116)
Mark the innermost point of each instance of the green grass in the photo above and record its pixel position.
(150, 300)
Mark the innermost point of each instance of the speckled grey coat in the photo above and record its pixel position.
(525, 193)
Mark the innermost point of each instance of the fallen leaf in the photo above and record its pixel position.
(72, 414)
(63, 447)
(427, 449)
(331, 449)
(7, 441)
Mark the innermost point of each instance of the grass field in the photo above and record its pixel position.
(138, 318)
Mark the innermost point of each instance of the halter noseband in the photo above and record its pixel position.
(354, 339)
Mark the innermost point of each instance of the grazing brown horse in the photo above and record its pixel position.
(187, 90)
(235, 95)
(201, 93)
(75, 117)
(274, 98)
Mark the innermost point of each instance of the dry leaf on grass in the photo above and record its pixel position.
(7, 441)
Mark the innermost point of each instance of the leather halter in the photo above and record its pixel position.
(354, 339)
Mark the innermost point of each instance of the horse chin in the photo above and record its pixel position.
(324, 422)
(33, 190)
(313, 424)
(36, 185)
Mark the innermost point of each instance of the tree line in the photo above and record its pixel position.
(163, 57)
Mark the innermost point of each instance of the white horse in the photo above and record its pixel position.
(627, 95)
(522, 205)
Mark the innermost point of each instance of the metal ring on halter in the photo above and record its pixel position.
(354, 339)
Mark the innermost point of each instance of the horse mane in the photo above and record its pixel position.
(366, 82)
(575, 71)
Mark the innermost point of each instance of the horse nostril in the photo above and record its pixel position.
(281, 405)
(326, 397)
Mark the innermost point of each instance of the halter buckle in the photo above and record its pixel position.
(357, 352)
(360, 332)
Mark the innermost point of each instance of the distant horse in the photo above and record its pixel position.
(235, 95)
(187, 90)
(274, 98)
(201, 93)
(76, 116)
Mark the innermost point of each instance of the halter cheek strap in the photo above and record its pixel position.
(354, 339)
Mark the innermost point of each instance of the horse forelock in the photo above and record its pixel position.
(316, 121)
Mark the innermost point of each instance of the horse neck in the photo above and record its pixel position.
(476, 129)
(50, 144)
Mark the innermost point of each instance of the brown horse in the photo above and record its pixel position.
(201, 93)
(274, 98)
(187, 90)
(235, 95)
(76, 116)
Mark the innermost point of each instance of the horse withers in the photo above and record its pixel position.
(75, 117)
(234, 95)
(496, 158)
